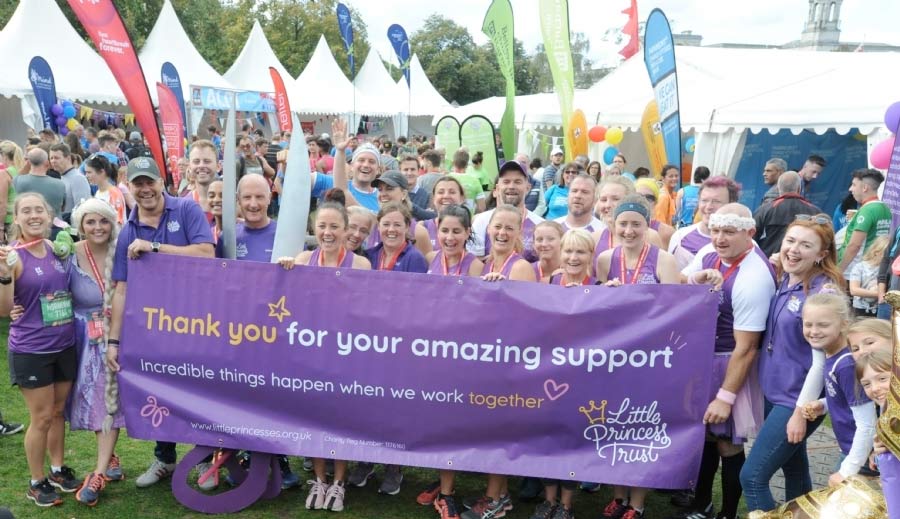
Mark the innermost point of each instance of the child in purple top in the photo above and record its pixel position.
(873, 370)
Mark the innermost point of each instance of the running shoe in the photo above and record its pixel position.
(472, 502)
(9, 428)
(486, 510)
(43, 494)
(587, 486)
(212, 481)
(614, 510)
(530, 489)
(316, 498)
(360, 474)
(428, 496)
(307, 464)
(631, 513)
(114, 470)
(157, 471)
(392, 480)
(89, 493)
(544, 510)
(446, 508)
(334, 497)
(562, 513)
(64, 479)
(288, 478)
(707, 513)
(506, 501)
(683, 499)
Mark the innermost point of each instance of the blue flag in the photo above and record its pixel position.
(44, 87)
(659, 57)
(400, 42)
(171, 79)
(345, 23)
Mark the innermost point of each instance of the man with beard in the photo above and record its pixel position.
(203, 167)
(364, 167)
(581, 206)
(163, 224)
(513, 183)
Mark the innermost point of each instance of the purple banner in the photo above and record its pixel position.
(891, 193)
(594, 384)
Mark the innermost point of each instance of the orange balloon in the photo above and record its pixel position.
(597, 133)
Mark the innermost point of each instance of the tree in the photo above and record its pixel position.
(585, 74)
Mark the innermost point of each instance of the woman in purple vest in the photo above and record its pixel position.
(610, 193)
(505, 261)
(452, 258)
(790, 374)
(42, 358)
(576, 250)
(547, 238)
(395, 252)
(447, 191)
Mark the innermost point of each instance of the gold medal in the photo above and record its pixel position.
(12, 257)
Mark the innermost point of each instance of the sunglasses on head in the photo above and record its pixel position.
(821, 220)
(650, 198)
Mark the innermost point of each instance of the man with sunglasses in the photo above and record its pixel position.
(773, 218)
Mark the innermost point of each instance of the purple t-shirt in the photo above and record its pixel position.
(505, 269)
(604, 243)
(251, 244)
(842, 393)
(785, 357)
(458, 269)
(182, 223)
(346, 263)
(646, 274)
(40, 276)
(410, 259)
(432, 227)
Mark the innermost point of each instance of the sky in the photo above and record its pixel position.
(719, 21)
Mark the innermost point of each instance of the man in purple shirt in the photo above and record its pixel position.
(256, 234)
(159, 223)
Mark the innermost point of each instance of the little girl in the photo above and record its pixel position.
(863, 279)
(873, 369)
(826, 319)
(868, 334)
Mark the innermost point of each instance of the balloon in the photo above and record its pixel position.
(67, 103)
(64, 131)
(71, 124)
(690, 145)
(610, 154)
(69, 111)
(61, 120)
(614, 136)
(597, 133)
(892, 117)
(881, 153)
(56, 109)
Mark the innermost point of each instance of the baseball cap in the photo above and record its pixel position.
(143, 167)
(511, 165)
(135, 136)
(366, 148)
(391, 178)
(556, 151)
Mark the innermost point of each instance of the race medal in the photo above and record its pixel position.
(12, 257)
(95, 327)
(56, 308)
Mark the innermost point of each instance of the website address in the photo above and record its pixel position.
(247, 431)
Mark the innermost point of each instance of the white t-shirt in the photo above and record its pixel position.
(595, 224)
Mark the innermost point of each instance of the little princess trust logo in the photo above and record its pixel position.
(627, 433)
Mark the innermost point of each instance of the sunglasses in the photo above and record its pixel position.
(650, 198)
(571, 172)
(821, 220)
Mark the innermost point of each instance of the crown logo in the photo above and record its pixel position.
(595, 414)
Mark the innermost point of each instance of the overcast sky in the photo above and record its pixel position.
(718, 21)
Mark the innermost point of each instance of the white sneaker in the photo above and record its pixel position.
(157, 471)
(316, 498)
(209, 483)
(334, 497)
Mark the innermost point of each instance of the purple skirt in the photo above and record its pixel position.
(889, 466)
(86, 407)
(747, 411)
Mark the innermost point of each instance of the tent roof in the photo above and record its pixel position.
(250, 71)
(80, 73)
(426, 100)
(376, 92)
(168, 42)
(322, 87)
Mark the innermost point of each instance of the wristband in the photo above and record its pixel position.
(5, 280)
(726, 396)
(112, 342)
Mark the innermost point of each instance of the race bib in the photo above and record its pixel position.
(95, 328)
(56, 308)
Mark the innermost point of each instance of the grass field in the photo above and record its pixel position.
(123, 500)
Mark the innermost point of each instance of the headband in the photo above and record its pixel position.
(741, 223)
(363, 149)
(632, 206)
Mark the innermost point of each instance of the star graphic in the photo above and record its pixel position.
(278, 311)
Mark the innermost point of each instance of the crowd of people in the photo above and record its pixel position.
(789, 346)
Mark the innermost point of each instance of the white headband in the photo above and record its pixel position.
(741, 223)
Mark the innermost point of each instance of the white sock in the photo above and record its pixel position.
(34, 482)
(54, 468)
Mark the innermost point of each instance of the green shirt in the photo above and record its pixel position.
(874, 219)
(472, 187)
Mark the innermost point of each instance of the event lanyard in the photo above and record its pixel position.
(390, 265)
(446, 268)
(637, 268)
(731, 270)
(26, 245)
(540, 271)
(609, 237)
(563, 277)
(90, 257)
(511, 256)
(340, 260)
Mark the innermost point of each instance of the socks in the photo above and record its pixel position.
(54, 468)
(731, 484)
(34, 482)
(709, 464)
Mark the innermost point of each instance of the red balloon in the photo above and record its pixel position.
(597, 133)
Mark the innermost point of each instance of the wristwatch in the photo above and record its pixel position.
(154, 246)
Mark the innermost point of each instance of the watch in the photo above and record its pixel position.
(154, 246)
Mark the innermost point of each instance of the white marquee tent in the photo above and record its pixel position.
(425, 100)
(250, 71)
(322, 87)
(377, 93)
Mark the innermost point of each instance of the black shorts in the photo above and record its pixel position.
(34, 370)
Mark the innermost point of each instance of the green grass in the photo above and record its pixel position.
(124, 500)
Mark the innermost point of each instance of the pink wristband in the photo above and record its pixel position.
(726, 396)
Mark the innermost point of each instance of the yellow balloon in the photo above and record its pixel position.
(71, 123)
(614, 136)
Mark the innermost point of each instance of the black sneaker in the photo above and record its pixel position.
(43, 494)
(65, 480)
(7, 429)
(683, 499)
(707, 513)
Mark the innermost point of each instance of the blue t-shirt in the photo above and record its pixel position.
(326, 182)
(182, 223)
(251, 244)
(842, 393)
(557, 200)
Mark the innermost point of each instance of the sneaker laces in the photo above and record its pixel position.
(45, 486)
(66, 472)
(632, 514)
(611, 507)
(448, 508)
(335, 490)
(114, 463)
(95, 483)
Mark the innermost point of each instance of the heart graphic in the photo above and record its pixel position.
(554, 390)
